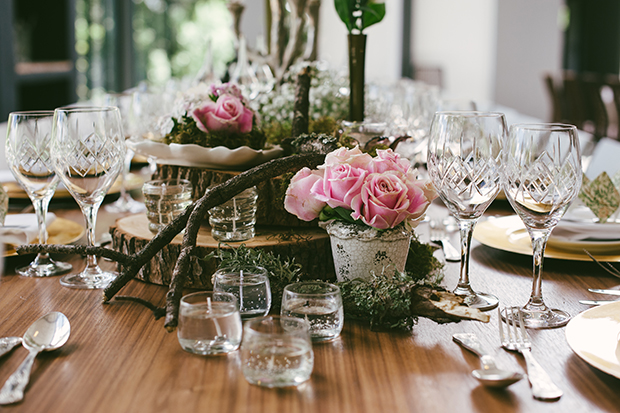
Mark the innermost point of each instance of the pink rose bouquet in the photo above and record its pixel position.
(381, 192)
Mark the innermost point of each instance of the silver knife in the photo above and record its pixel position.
(599, 291)
(595, 302)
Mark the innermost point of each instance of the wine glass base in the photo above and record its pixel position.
(125, 204)
(88, 281)
(552, 318)
(48, 269)
(481, 301)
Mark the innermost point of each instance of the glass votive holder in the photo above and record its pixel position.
(276, 351)
(209, 323)
(234, 220)
(165, 199)
(319, 303)
(250, 287)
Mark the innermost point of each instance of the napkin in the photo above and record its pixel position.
(580, 231)
(22, 229)
(604, 159)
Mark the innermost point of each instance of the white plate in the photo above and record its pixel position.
(594, 247)
(574, 234)
(593, 335)
(192, 155)
(509, 234)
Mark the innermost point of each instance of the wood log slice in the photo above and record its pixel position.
(270, 204)
(309, 246)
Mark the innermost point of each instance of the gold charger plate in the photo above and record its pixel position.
(509, 234)
(15, 191)
(61, 231)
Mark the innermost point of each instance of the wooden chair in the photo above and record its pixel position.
(576, 99)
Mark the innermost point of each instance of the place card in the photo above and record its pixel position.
(600, 195)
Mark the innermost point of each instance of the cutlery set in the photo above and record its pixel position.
(513, 337)
(48, 333)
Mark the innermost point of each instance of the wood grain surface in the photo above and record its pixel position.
(120, 359)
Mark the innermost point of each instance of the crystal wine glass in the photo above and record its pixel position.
(28, 157)
(464, 157)
(88, 149)
(541, 177)
(124, 102)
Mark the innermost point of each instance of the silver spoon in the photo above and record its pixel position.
(489, 375)
(7, 344)
(47, 333)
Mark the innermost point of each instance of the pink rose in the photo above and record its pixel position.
(354, 157)
(227, 114)
(227, 89)
(388, 160)
(298, 200)
(341, 183)
(387, 199)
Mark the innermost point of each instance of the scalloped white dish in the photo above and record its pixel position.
(192, 155)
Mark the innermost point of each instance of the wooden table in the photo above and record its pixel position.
(120, 359)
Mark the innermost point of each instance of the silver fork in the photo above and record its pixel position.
(438, 234)
(516, 339)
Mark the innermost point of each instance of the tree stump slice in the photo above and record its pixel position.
(309, 246)
(270, 204)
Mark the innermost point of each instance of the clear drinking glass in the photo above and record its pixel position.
(88, 149)
(250, 286)
(28, 157)
(464, 156)
(165, 199)
(276, 351)
(124, 102)
(234, 220)
(319, 303)
(209, 323)
(541, 176)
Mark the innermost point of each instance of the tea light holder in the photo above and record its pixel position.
(165, 199)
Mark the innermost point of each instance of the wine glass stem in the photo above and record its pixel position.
(126, 168)
(90, 213)
(466, 229)
(40, 208)
(539, 242)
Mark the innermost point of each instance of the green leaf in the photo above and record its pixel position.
(345, 13)
(373, 13)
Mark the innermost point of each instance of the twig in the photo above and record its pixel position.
(301, 110)
(158, 312)
(605, 265)
(216, 196)
(75, 249)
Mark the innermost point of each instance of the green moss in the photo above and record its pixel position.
(185, 132)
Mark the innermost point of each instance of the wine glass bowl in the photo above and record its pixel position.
(28, 157)
(464, 158)
(88, 149)
(541, 177)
